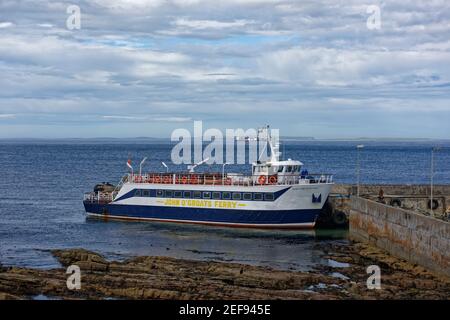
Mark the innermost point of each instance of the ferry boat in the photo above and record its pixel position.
(277, 194)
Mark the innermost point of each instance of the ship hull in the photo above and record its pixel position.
(286, 219)
(290, 208)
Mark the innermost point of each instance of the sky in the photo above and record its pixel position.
(146, 67)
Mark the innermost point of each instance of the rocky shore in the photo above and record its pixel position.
(169, 278)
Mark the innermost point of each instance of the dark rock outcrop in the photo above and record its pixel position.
(169, 278)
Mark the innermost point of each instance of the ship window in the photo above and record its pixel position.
(186, 194)
(146, 193)
(207, 195)
(280, 169)
(268, 196)
(226, 195)
(216, 195)
(197, 194)
(159, 193)
(236, 196)
(257, 196)
(169, 193)
(247, 196)
(137, 193)
(178, 194)
(288, 168)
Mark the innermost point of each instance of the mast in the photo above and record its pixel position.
(264, 134)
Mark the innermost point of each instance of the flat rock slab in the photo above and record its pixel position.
(169, 278)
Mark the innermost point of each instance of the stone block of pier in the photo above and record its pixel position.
(408, 235)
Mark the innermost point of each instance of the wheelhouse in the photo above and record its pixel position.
(280, 172)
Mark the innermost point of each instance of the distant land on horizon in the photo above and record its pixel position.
(282, 138)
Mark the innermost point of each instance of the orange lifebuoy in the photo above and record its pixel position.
(166, 179)
(184, 180)
(262, 179)
(228, 181)
(194, 179)
(273, 179)
(157, 179)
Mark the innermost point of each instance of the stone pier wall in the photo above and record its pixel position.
(410, 197)
(393, 189)
(405, 234)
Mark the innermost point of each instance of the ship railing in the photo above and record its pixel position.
(230, 179)
(316, 178)
(99, 197)
(123, 180)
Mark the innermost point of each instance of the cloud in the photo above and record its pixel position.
(148, 118)
(7, 116)
(6, 25)
(301, 64)
(343, 67)
(210, 24)
(45, 25)
(173, 119)
(121, 118)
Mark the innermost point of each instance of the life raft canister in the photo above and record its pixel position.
(262, 179)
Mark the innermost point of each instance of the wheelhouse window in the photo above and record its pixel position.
(260, 169)
(280, 169)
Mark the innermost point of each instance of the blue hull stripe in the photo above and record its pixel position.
(261, 217)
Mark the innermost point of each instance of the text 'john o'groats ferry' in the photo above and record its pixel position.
(277, 194)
